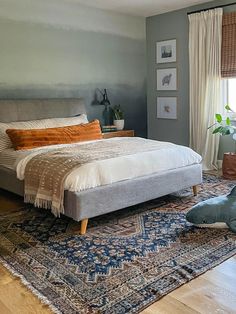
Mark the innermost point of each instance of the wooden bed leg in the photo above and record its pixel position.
(83, 227)
(195, 190)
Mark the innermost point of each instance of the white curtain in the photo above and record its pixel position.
(205, 35)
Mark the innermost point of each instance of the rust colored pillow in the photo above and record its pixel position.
(28, 139)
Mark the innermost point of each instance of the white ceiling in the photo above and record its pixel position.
(141, 7)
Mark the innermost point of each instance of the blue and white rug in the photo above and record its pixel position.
(126, 260)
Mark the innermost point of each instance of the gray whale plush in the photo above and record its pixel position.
(216, 212)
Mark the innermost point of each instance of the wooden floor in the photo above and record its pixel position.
(213, 292)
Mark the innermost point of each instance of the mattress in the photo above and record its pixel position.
(9, 158)
(168, 156)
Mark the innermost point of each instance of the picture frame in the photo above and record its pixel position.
(166, 51)
(167, 79)
(167, 108)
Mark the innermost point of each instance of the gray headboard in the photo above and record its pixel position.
(32, 109)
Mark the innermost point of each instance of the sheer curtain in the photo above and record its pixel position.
(205, 37)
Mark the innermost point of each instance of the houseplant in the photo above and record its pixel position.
(118, 116)
(225, 127)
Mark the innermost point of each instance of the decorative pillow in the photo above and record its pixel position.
(36, 124)
(28, 139)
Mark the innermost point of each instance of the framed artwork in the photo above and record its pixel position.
(166, 51)
(167, 107)
(167, 79)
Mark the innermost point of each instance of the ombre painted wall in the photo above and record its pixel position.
(59, 48)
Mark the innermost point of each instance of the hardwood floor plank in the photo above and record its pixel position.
(228, 267)
(205, 297)
(221, 279)
(5, 278)
(169, 304)
(4, 309)
(9, 201)
(18, 299)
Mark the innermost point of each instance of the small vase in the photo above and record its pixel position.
(119, 124)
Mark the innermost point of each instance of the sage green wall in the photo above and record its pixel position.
(58, 48)
(162, 27)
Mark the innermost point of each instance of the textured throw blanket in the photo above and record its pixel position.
(46, 172)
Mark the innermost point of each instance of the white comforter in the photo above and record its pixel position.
(167, 156)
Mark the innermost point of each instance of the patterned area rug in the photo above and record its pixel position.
(126, 261)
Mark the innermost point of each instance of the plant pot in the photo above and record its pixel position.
(229, 166)
(119, 124)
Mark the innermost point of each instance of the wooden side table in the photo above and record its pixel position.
(123, 133)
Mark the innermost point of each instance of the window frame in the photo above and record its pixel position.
(225, 99)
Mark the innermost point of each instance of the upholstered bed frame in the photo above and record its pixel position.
(97, 201)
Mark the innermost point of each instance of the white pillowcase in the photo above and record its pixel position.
(36, 124)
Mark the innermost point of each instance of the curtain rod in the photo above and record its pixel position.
(217, 7)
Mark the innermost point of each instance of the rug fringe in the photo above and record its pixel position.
(23, 280)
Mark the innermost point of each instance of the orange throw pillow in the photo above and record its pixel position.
(28, 139)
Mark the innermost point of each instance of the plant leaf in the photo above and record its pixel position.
(218, 117)
(218, 130)
(227, 130)
(227, 107)
(228, 121)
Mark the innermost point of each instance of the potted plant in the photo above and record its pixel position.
(225, 127)
(118, 116)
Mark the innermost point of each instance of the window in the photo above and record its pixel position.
(232, 93)
(229, 93)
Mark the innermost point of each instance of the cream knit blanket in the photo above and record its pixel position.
(46, 172)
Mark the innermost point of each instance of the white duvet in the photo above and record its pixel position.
(166, 157)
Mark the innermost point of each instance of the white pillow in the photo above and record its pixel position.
(36, 124)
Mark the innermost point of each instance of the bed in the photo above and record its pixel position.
(91, 202)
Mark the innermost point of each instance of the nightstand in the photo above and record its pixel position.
(123, 133)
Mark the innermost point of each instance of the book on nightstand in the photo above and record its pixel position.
(108, 128)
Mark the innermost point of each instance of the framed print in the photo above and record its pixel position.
(167, 107)
(167, 79)
(166, 51)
